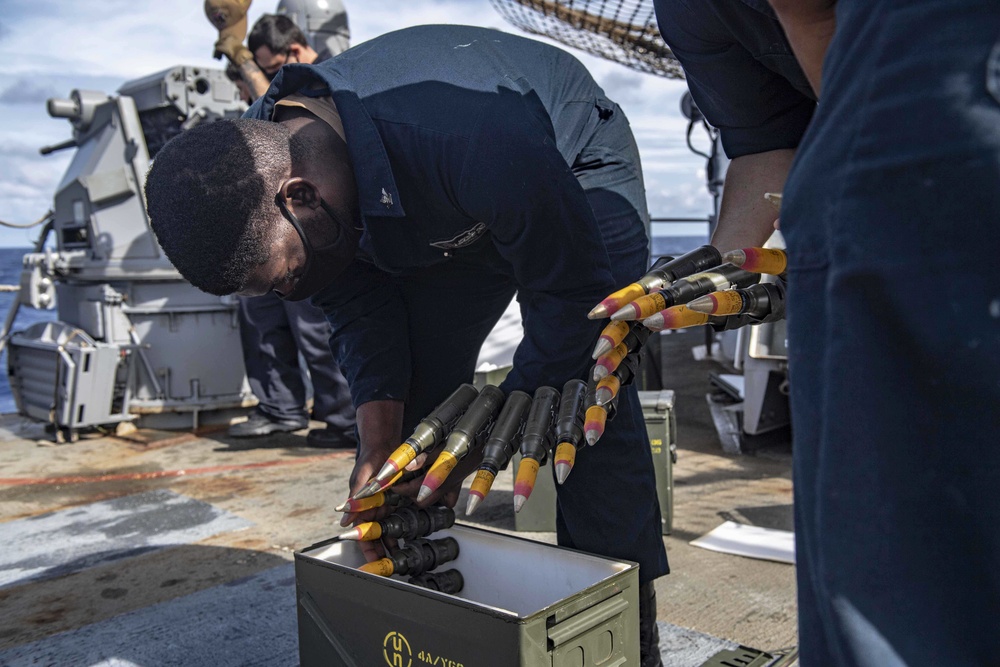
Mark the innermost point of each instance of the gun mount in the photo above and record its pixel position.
(133, 341)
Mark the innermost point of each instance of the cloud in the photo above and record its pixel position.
(25, 91)
(50, 47)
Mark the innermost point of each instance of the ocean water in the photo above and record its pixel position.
(10, 274)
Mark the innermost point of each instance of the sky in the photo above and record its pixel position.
(51, 47)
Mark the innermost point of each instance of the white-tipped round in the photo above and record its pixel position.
(654, 322)
(519, 502)
(627, 312)
(423, 493)
(562, 471)
(603, 347)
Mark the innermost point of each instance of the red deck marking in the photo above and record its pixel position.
(156, 474)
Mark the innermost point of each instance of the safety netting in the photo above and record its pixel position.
(623, 31)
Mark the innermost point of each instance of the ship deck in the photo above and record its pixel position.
(168, 548)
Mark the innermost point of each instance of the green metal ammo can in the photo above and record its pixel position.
(539, 513)
(523, 604)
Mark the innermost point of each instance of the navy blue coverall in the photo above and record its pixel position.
(489, 164)
(890, 217)
(740, 70)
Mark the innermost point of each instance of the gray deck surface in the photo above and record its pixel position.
(174, 549)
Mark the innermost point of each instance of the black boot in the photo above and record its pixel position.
(649, 633)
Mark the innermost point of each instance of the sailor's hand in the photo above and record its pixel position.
(447, 493)
(369, 462)
(232, 48)
(364, 470)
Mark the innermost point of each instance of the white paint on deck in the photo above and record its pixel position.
(73, 539)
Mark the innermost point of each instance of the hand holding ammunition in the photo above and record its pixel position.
(660, 275)
(686, 289)
(429, 432)
(407, 523)
(467, 437)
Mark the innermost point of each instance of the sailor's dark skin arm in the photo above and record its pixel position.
(380, 425)
(809, 25)
(746, 219)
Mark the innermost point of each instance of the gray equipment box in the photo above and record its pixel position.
(61, 375)
(539, 512)
(524, 603)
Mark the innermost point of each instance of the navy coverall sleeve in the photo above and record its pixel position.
(517, 183)
(361, 301)
(740, 71)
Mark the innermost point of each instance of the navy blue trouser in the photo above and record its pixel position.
(608, 505)
(273, 333)
(891, 219)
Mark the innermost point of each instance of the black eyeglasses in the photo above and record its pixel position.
(282, 204)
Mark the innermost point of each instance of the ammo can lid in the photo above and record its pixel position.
(658, 401)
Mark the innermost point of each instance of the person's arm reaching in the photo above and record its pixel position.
(370, 342)
(810, 25)
(380, 425)
(746, 219)
(761, 106)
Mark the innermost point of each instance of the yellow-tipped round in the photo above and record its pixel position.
(383, 567)
(675, 317)
(594, 423)
(527, 472)
(727, 302)
(370, 488)
(616, 300)
(680, 317)
(362, 504)
(482, 483)
(758, 260)
(611, 336)
(607, 389)
(563, 460)
(442, 467)
(398, 460)
(642, 307)
(607, 363)
(369, 531)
